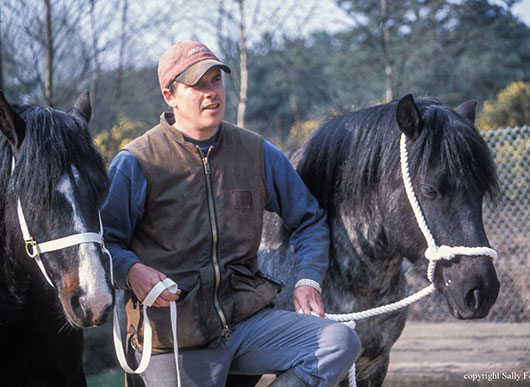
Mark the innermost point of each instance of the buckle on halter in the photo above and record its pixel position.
(103, 245)
(35, 252)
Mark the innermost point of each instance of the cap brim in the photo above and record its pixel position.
(194, 73)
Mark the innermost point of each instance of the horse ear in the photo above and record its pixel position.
(12, 125)
(82, 105)
(409, 117)
(467, 110)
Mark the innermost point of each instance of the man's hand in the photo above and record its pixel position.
(142, 278)
(308, 299)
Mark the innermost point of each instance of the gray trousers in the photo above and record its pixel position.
(271, 341)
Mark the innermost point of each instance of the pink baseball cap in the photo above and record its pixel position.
(186, 62)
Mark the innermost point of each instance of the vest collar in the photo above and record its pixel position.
(167, 119)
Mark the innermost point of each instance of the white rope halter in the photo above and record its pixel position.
(433, 253)
(34, 249)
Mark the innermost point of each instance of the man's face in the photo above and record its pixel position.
(200, 107)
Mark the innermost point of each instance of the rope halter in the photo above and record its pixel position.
(34, 249)
(433, 253)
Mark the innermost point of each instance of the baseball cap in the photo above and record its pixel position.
(186, 62)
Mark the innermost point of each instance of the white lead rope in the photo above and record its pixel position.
(433, 253)
(149, 300)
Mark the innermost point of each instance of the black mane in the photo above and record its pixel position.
(336, 163)
(54, 141)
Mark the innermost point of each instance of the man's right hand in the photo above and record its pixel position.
(142, 278)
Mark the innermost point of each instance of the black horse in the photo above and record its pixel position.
(351, 165)
(60, 181)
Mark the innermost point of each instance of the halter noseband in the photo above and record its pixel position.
(35, 249)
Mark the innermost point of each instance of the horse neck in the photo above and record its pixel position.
(361, 260)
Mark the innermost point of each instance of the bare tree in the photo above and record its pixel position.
(121, 57)
(386, 47)
(95, 53)
(48, 88)
(243, 89)
(1, 53)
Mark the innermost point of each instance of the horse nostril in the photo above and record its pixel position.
(78, 306)
(478, 298)
(474, 299)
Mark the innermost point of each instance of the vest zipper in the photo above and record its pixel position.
(215, 235)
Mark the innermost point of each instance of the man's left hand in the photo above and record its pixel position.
(308, 299)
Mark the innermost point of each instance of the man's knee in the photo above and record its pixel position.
(341, 343)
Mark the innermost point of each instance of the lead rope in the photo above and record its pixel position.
(151, 297)
(433, 253)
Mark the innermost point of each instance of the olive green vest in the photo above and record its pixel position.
(201, 227)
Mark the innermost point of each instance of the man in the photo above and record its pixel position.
(186, 200)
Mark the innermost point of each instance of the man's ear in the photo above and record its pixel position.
(169, 97)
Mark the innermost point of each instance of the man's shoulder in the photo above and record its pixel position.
(235, 130)
(144, 140)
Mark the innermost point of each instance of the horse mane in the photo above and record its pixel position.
(54, 142)
(336, 163)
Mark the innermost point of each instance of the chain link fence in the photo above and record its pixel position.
(507, 226)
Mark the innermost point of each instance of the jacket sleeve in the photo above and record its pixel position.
(288, 196)
(121, 211)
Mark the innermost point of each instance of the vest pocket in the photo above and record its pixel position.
(190, 330)
(252, 292)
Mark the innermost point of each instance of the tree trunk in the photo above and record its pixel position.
(386, 44)
(243, 68)
(48, 85)
(95, 77)
(119, 75)
(1, 51)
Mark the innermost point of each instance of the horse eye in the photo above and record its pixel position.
(430, 192)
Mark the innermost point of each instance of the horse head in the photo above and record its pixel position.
(53, 171)
(451, 171)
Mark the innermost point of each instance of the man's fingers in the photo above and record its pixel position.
(168, 296)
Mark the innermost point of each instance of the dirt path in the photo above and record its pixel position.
(458, 354)
(461, 354)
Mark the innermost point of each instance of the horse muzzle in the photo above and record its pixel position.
(470, 285)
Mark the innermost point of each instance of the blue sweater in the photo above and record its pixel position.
(286, 195)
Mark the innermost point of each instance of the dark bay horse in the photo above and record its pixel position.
(351, 165)
(49, 164)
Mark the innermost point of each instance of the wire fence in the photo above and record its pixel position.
(507, 226)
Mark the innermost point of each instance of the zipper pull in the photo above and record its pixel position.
(206, 165)
(226, 331)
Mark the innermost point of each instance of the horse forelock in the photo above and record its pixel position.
(458, 148)
(54, 142)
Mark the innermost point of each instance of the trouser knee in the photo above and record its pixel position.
(344, 346)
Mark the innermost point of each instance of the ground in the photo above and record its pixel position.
(454, 353)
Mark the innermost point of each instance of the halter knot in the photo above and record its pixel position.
(437, 253)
